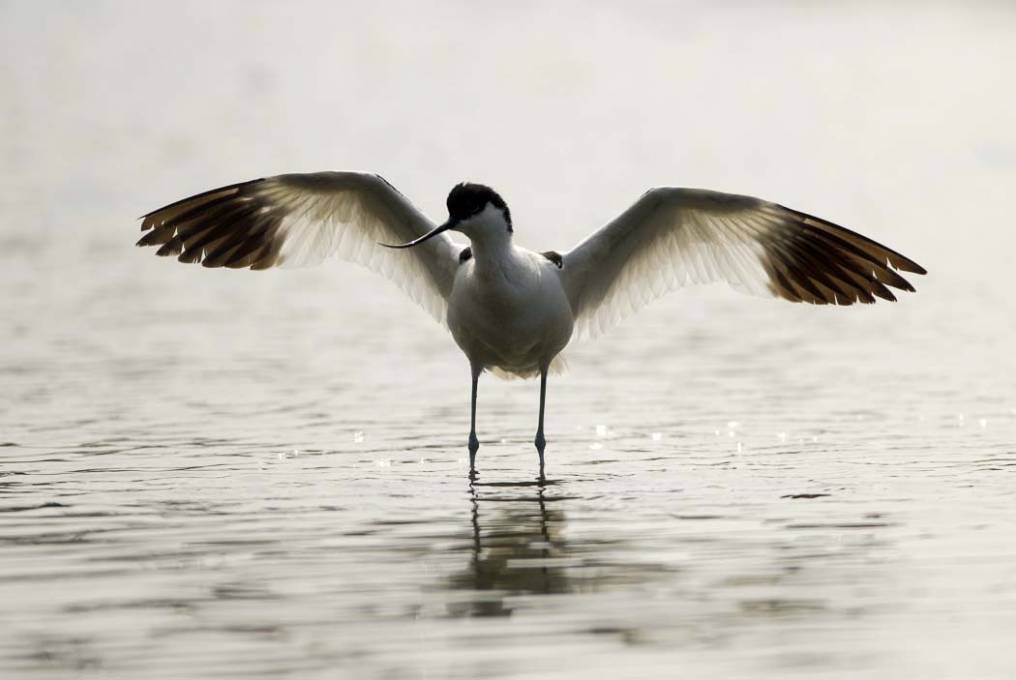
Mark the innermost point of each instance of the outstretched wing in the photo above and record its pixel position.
(676, 237)
(301, 219)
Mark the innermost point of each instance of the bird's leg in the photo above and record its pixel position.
(540, 442)
(474, 443)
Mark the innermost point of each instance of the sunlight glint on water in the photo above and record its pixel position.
(208, 473)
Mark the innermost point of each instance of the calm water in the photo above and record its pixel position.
(211, 474)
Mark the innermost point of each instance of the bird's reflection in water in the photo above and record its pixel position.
(517, 547)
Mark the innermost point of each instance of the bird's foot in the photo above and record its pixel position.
(541, 444)
(474, 446)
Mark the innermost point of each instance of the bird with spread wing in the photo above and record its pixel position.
(509, 309)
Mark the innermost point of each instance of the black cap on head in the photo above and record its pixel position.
(464, 201)
(468, 199)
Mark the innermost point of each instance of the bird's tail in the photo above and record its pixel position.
(558, 366)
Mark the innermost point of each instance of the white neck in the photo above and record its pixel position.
(489, 237)
(491, 254)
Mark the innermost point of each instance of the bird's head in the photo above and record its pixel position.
(475, 210)
(478, 211)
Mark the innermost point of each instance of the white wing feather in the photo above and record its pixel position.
(301, 219)
(672, 238)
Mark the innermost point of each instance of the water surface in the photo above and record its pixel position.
(236, 474)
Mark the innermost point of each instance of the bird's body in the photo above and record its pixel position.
(509, 309)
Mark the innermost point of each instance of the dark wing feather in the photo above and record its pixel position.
(301, 219)
(675, 237)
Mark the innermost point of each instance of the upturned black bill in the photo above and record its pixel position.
(429, 235)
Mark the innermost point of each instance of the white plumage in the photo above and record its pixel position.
(510, 309)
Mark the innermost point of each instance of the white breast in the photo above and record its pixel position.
(510, 314)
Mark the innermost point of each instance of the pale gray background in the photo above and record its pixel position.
(209, 473)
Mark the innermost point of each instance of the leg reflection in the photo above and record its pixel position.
(516, 548)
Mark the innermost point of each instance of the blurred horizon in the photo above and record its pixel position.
(908, 139)
(242, 473)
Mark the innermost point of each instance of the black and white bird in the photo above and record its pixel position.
(512, 310)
